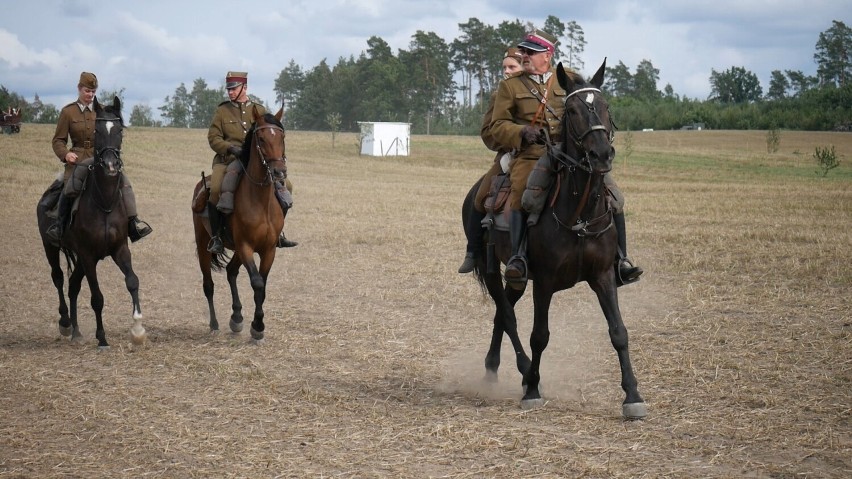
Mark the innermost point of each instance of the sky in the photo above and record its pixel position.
(150, 47)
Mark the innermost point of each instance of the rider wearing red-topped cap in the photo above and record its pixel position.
(526, 105)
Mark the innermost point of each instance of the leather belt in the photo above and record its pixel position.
(87, 144)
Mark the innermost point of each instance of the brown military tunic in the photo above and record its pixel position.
(230, 124)
(515, 106)
(77, 123)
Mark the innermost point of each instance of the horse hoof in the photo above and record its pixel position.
(258, 342)
(65, 331)
(633, 411)
(236, 327)
(256, 335)
(491, 377)
(214, 332)
(102, 349)
(137, 335)
(528, 404)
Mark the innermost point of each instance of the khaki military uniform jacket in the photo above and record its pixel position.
(515, 106)
(79, 127)
(229, 127)
(485, 129)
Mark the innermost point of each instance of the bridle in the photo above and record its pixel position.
(264, 161)
(576, 224)
(107, 205)
(116, 152)
(590, 106)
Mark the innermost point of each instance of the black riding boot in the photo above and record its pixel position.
(285, 200)
(516, 268)
(215, 245)
(63, 210)
(283, 242)
(626, 272)
(474, 233)
(137, 229)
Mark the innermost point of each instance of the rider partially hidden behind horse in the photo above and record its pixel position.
(226, 135)
(77, 121)
(525, 104)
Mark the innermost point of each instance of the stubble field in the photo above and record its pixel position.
(740, 330)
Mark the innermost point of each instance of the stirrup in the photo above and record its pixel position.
(469, 263)
(283, 242)
(215, 245)
(138, 230)
(54, 233)
(626, 272)
(519, 280)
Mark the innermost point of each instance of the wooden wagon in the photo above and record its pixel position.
(11, 121)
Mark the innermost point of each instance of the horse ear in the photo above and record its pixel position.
(280, 113)
(97, 104)
(597, 80)
(116, 104)
(565, 81)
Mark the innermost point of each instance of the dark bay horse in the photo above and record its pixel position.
(574, 241)
(97, 230)
(253, 227)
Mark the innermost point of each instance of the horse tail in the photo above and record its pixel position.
(70, 259)
(219, 261)
(467, 206)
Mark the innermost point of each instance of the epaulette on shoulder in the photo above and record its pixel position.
(225, 102)
(73, 103)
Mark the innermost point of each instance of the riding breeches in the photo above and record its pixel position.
(616, 196)
(216, 178)
(520, 171)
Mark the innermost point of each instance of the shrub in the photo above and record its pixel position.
(826, 159)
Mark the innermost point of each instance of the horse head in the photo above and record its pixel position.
(267, 139)
(586, 126)
(109, 131)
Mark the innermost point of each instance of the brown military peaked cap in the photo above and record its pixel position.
(88, 80)
(235, 79)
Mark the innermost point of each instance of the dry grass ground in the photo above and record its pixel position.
(741, 331)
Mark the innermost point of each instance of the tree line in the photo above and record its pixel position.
(443, 88)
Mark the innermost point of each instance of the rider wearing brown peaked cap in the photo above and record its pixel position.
(77, 124)
(227, 132)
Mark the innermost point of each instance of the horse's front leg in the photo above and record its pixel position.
(90, 266)
(258, 284)
(539, 339)
(232, 271)
(122, 259)
(634, 406)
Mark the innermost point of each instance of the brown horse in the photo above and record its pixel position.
(97, 230)
(253, 227)
(574, 241)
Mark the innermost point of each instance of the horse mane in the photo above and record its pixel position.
(267, 118)
(576, 77)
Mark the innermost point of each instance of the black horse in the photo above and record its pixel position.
(97, 230)
(575, 240)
